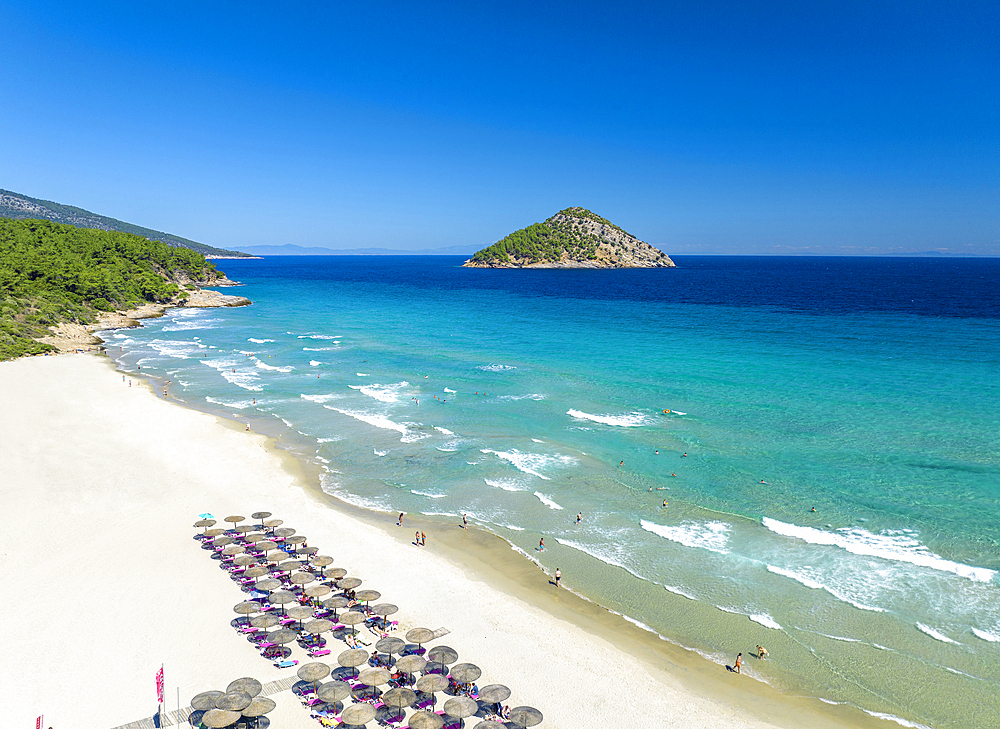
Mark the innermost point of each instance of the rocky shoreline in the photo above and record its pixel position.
(71, 337)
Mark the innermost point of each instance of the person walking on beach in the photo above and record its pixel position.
(558, 576)
(579, 517)
(739, 663)
(399, 521)
(423, 539)
(541, 544)
(465, 521)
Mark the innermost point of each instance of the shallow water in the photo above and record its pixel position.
(863, 388)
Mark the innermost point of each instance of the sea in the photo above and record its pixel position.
(797, 452)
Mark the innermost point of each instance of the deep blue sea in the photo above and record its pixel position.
(742, 392)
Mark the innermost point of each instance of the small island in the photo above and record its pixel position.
(572, 238)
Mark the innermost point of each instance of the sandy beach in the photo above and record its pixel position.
(102, 481)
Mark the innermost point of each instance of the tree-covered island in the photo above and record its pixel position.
(572, 238)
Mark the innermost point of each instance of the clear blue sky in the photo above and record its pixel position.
(701, 127)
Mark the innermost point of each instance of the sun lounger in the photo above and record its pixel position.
(285, 664)
(316, 653)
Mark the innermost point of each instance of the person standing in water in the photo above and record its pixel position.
(739, 663)
(558, 576)
(541, 544)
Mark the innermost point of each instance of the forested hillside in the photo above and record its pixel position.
(21, 207)
(52, 273)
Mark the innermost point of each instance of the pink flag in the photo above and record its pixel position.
(159, 685)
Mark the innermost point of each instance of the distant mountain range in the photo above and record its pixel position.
(293, 250)
(21, 207)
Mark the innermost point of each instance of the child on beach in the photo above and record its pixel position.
(761, 652)
(416, 538)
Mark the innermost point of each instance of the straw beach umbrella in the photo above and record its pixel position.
(234, 519)
(316, 590)
(390, 645)
(264, 621)
(281, 597)
(334, 603)
(367, 596)
(205, 700)
(262, 515)
(352, 658)
(426, 720)
(398, 698)
(442, 654)
(460, 707)
(233, 701)
(495, 693)
(219, 718)
(465, 672)
(410, 664)
(431, 683)
(420, 636)
(321, 560)
(313, 672)
(358, 714)
(352, 618)
(284, 532)
(334, 573)
(348, 583)
(333, 691)
(525, 716)
(258, 707)
(249, 686)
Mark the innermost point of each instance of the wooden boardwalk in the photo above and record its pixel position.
(175, 718)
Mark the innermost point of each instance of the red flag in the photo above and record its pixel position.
(39, 721)
(159, 685)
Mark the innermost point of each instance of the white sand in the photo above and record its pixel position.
(103, 583)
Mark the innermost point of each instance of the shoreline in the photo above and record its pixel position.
(486, 559)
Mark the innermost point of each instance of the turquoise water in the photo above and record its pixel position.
(863, 388)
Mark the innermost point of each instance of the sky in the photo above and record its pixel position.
(824, 128)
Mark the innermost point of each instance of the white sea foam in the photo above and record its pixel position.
(237, 404)
(314, 363)
(380, 421)
(507, 484)
(532, 462)
(443, 449)
(379, 453)
(320, 398)
(427, 494)
(628, 420)
(495, 367)
(893, 717)
(764, 619)
(520, 551)
(935, 634)
(174, 349)
(318, 349)
(443, 430)
(896, 545)
(274, 368)
(362, 374)
(535, 440)
(986, 635)
(532, 396)
(259, 341)
(184, 326)
(449, 390)
(548, 501)
(679, 591)
(383, 393)
(712, 535)
(327, 440)
(242, 377)
(319, 336)
(815, 585)
(439, 513)
(841, 638)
